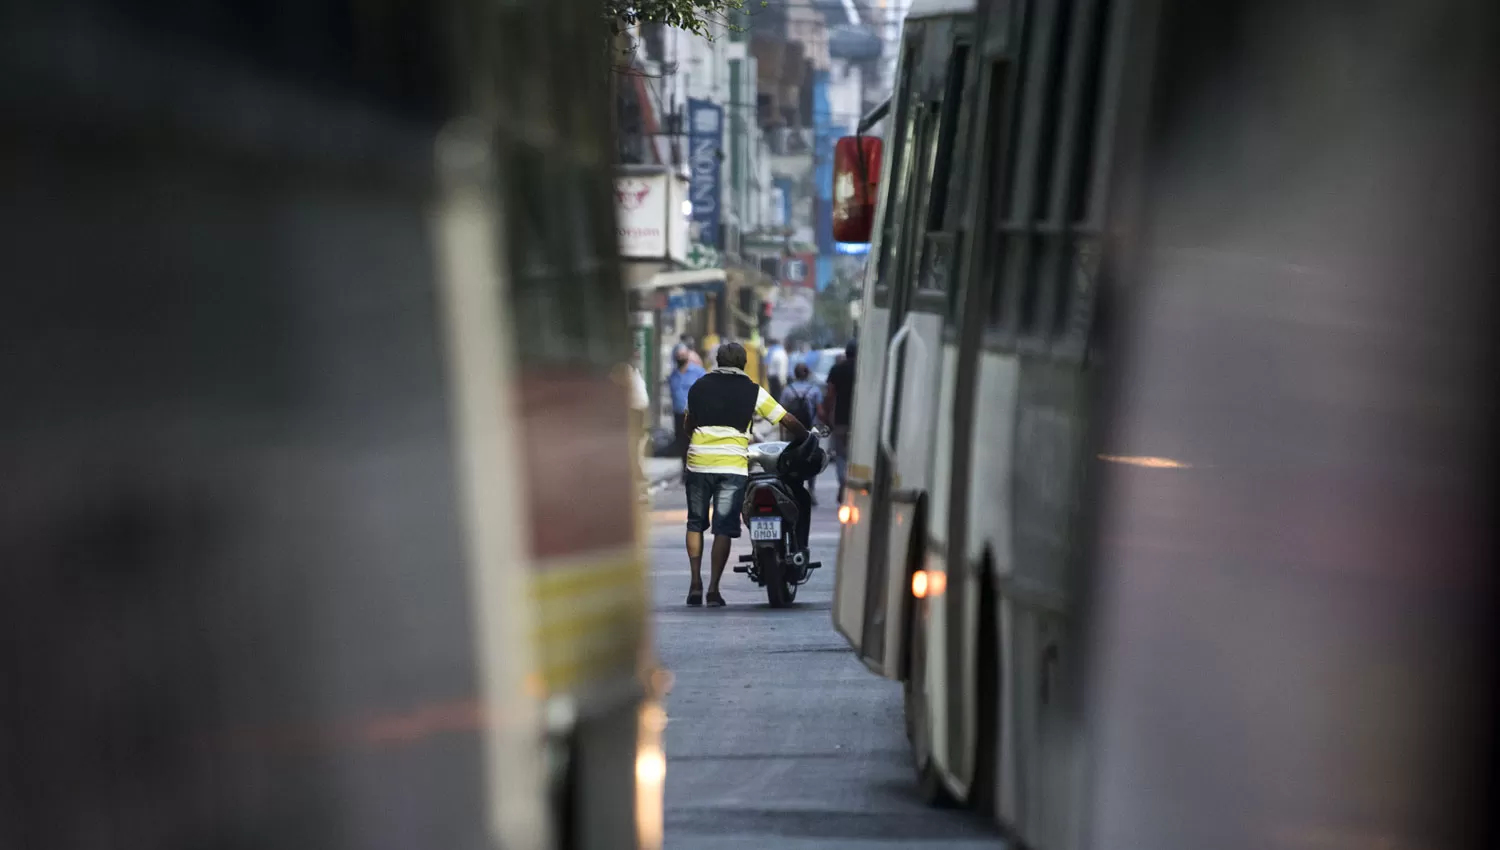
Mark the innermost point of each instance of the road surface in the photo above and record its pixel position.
(778, 737)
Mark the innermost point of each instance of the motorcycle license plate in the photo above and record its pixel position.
(765, 529)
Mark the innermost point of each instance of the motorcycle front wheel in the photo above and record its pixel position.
(780, 591)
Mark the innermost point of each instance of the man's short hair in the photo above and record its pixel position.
(732, 356)
(800, 371)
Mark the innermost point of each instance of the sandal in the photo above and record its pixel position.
(695, 597)
(715, 600)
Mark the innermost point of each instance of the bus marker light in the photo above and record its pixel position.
(848, 514)
(925, 583)
(650, 765)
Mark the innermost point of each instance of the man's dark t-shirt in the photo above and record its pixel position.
(841, 387)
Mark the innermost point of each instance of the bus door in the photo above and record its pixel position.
(891, 446)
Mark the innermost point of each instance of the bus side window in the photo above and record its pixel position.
(1006, 84)
(1043, 45)
(941, 213)
(563, 256)
(991, 140)
(560, 229)
(1039, 263)
(896, 177)
(1067, 272)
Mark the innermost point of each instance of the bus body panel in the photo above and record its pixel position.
(990, 456)
(852, 593)
(481, 370)
(937, 558)
(939, 497)
(904, 535)
(920, 365)
(986, 481)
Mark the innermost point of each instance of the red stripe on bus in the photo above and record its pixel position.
(576, 440)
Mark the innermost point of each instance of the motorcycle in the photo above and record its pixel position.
(778, 512)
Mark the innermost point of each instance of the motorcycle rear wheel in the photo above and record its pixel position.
(780, 591)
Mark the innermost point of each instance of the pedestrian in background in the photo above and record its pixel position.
(679, 382)
(777, 366)
(803, 398)
(685, 343)
(837, 406)
(807, 355)
(634, 383)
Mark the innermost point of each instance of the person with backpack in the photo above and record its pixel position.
(802, 398)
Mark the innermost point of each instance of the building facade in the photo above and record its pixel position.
(751, 116)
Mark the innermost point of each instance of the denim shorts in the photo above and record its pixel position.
(724, 493)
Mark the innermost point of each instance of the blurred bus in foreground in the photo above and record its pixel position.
(1172, 435)
(319, 526)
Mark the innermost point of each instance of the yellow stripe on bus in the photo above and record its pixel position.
(561, 676)
(591, 618)
(621, 619)
(552, 582)
(609, 644)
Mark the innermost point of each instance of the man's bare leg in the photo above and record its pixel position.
(695, 559)
(722, 547)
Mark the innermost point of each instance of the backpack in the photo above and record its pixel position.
(799, 405)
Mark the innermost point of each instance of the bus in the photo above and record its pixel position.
(319, 528)
(1172, 435)
(958, 546)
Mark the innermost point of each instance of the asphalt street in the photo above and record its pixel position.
(778, 737)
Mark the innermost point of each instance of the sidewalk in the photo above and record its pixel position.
(661, 472)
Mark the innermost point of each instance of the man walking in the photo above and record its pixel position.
(679, 382)
(836, 409)
(721, 406)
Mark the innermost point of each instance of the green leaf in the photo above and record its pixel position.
(700, 17)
